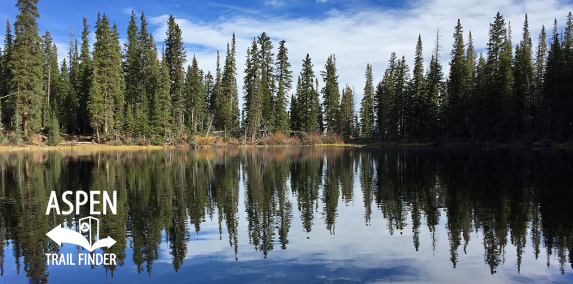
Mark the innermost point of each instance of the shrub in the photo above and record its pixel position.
(331, 138)
(311, 139)
(157, 141)
(205, 141)
(142, 141)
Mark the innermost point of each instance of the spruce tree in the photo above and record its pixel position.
(553, 99)
(175, 58)
(6, 78)
(307, 99)
(331, 96)
(150, 78)
(195, 97)
(253, 93)
(367, 106)
(539, 72)
(434, 91)
(25, 65)
(347, 112)
(84, 81)
(417, 90)
(266, 64)
(229, 108)
(106, 100)
(162, 109)
(284, 82)
(458, 88)
(69, 103)
(134, 88)
(523, 74)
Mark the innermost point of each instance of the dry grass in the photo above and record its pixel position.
(205, 141)
(332, 139)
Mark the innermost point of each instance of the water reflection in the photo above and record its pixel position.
(502, 200)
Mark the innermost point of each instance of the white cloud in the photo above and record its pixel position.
(366, 36)
(275, 3)
(128, 10)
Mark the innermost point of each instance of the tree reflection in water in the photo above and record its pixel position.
(513, 199)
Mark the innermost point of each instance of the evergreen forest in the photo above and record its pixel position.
(511, 92)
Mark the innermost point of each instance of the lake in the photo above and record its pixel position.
(284, 215)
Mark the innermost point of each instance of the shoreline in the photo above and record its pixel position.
(106, 147)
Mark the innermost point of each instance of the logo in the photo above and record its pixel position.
(63, 235)
(87, 234)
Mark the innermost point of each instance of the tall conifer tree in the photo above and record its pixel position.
(25, 65)
(331, 96)
(284, 82)
(367, 105)
(175, 59)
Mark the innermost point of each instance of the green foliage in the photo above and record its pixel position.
(175, 58)
(25, 65)
(346, 120)
(308, 108)
(284, 81)
(418, 121)
(458, 88)
(106, 99)
(331, 96)
(253, 92)
(83, 82)
(367, 106)
(54, 135)
(195, 98)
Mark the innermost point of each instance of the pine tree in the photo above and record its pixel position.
(266, 61)
(307, 99)
(497, 69)
(347, 112)
(523, 74)
(230, 84)
(458, 88)
(253, 94)
(83, 82)
(195, 97)
(284, 81)
(385, 101)
(553, 96)
(162, 110)
(134, 88)
(175, 58)
(434, 91)
(367, 106)
(151, 80)
(25, 65)
(331, 96)
(567, 91)
(229, 108)
(417, 89)
(8, 103)
(539, 72)
(295, 109)
(217, 100)
(69, 102)
(106, 100)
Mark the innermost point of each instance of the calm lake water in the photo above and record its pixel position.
(286, 215)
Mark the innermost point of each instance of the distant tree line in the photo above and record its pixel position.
(115, 92)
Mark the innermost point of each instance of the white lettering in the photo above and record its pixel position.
(70, 205)
(79, 201)
(107, 201)
(53, 203)
(93, 202)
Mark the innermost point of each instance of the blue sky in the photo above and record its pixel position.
(356, 31)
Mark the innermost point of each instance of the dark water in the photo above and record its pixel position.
(289, 215)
